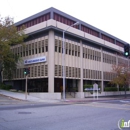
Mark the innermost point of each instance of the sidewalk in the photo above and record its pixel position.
(21, 96)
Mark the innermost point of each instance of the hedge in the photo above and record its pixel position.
(110, 89)
(123, 89)
(6, 87)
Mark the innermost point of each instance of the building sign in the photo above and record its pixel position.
(35, 60)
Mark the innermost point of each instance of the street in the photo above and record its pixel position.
(64, 116)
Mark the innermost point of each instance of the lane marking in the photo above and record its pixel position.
(124, 101)
(104, 106)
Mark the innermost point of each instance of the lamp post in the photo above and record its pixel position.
(63, 58)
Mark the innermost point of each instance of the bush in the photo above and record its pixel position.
(110, 89)
(6, 87)
(123, 89)
(88, 86)
(2, 86)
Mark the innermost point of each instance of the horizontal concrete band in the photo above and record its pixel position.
(77, 32)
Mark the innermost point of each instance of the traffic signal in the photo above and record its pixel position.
(126, 50)
(26, 71)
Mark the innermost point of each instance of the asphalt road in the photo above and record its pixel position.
(72, 116)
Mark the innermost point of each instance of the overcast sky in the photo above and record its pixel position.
(111, 16)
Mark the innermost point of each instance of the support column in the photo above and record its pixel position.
(117, 64)
(129, 68)
(80, 93)
(51, 45)
(102, 80)
(80, 87)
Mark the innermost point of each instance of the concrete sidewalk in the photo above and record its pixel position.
(21, 96)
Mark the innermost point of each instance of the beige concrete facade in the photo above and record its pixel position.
(82, 62)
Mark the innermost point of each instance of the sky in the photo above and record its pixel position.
(111, 16)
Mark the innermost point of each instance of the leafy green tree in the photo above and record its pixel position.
(122, 75)
(9, 36)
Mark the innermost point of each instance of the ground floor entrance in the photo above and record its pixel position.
(70, 85)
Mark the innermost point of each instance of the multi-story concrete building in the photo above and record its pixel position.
(89, 54)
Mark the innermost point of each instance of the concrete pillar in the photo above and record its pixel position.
(80, 93)
(51, 45)
(117, 64)
(80, 85)
(102, 80)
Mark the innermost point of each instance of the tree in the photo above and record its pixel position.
(9, 36)
(122, 75)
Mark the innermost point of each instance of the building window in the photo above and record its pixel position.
(75, 53)
(72, 52)
(36, 48)
(42, 45)
(42, 49)
(32, 51)
(39, 46)
(36, 51)
(69, 52)
(46, 45)
(66, 51)
(55, 48)
(83, 55)
(59, 49)
(46, 48)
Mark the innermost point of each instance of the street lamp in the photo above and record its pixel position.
(63, 58)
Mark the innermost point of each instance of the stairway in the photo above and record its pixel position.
(68, 95)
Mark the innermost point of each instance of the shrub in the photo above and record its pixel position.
(110, 89)
(88, 86)
(6, 87)
(2, 86)
(123, 89)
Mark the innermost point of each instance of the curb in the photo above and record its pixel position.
(94, 100)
